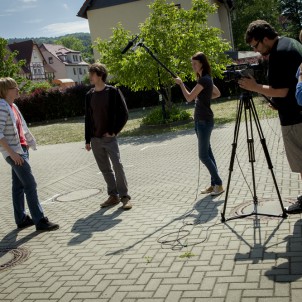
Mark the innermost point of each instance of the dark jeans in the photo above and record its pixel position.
(106, 152)
(203, 130)
(24, 182)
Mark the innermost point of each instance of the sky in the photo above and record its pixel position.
(40, 18)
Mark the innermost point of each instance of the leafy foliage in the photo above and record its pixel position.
(81, 40)
(292, 13)
(75, 43)
(247, 11)
(9, 67)
(71, 43)
(155, 117)
(174, 35)
(34, 87)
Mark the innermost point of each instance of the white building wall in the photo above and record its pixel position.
(78, 77)
(57, 65)
(102, 21)
(36, 65)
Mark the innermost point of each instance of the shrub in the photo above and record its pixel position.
(155, 117)
(36, 87)
(53, 104)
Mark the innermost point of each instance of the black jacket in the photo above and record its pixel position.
(118, 113)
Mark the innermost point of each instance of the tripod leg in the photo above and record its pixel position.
(234, 147)
(267, 155)
(250, 144)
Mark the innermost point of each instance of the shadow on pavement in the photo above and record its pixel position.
(11, 243)
(291, 270)
(10, 240)
(287, 271)
(162, 137)
(202, 212)
(96, 222)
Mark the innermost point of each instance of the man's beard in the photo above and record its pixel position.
(266, 52)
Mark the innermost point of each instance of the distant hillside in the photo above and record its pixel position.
(84, 37)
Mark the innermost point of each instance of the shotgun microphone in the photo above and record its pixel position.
(130, 43)
(137, 45)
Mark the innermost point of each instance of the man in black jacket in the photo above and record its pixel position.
(106, 115)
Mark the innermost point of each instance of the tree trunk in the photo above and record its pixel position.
(168, 97)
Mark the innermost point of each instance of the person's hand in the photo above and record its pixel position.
(108, 135)
(18, 160)
(248, 83)
(178, 80)
(272, 107)
(88, 147)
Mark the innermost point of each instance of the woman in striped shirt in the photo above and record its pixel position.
(15, 140)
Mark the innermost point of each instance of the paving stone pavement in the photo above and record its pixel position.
(114, 255)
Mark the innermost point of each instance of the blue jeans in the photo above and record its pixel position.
(24, 182)
(203, 130)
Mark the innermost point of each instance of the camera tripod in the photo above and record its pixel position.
(247, 106)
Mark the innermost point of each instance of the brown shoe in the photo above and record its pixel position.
(127, 205)
(208, 190)
(111, 201)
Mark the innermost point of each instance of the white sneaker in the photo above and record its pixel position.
(217, 190)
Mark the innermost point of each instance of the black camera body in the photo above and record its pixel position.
(236, 72)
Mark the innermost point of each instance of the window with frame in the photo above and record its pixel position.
(74, 71)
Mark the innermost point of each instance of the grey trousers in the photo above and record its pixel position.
(107, 155)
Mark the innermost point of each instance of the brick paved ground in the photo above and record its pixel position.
(113, 255)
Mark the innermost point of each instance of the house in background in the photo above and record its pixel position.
(67, 63)
(35, 68)
(103, 15)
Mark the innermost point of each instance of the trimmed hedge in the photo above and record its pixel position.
(58, 104)
(53, 104)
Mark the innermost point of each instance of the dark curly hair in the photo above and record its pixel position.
(258, 30)
(100, 70)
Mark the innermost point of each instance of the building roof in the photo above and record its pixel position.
(58, 50)
(25, 50)
(96, 4)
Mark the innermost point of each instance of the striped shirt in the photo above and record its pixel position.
(9, 130)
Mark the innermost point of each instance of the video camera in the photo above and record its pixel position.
(236, 72)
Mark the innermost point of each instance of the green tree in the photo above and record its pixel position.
(174, 35)
(9, 67)
(247, 11)
(75, 43)
(71, 43)
(292, 17)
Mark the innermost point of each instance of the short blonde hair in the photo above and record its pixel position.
(5, 85)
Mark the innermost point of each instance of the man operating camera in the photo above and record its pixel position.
(285, 56)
